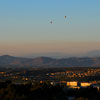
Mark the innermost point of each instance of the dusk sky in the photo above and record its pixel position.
(25, 26)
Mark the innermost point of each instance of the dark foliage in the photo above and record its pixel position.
(45, 91)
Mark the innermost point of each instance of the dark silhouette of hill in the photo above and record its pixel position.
(10, 61)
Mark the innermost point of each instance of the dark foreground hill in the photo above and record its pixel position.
(10, 61)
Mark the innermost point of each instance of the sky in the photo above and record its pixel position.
(25, 26)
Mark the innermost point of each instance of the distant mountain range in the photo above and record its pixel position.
(10, 61)
(95, 53)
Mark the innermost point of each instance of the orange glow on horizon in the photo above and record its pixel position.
(45, 47)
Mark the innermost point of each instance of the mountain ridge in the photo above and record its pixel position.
(12, 61)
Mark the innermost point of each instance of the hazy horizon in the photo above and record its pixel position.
(57, 55)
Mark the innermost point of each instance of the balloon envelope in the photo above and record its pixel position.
(51, 22)
(65, 17)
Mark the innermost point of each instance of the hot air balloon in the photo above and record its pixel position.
(65, 17)
(51, 22)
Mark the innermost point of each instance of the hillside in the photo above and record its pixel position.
(10, 61)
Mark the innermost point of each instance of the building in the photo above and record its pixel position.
(72, 84)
